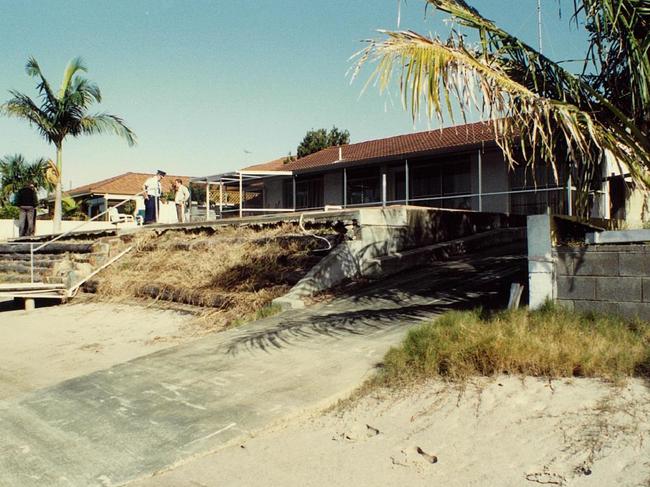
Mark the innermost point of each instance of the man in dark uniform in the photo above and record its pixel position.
(27, 200)
(152, 193)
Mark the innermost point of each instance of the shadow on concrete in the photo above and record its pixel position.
(403, 299)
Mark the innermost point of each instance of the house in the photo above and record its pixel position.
(97, 197)
(458, 167)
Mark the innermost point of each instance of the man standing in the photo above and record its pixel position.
(181, 198)
(152, 192)
(27, 200)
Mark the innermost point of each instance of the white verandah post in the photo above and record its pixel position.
(220, 199)
(480, 181)
(383, 188)
(241, 195)
(207, 199)
(406, 177)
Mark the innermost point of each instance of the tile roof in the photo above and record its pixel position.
(129, 183)
(401, 145)
(274, 165)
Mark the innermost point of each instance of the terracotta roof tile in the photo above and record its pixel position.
(274, 165)
(401, 145)
(129, 183)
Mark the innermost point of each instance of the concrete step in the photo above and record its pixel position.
(53, 248)
(15, 277)
(24, 267)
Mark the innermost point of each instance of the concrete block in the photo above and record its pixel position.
(565, 303)
(646, 289)
(539, 236)
(563, 263)
(536, 266)
(634, 264)
(618, 236)
(540, 288)
(619, 289)
(392, 217)
(576, 287)
(635, 310)
(599, 307)
(596, 264)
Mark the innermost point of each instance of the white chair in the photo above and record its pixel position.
(116, 217)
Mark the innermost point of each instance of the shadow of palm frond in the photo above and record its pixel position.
(412, 297)
(356, 322)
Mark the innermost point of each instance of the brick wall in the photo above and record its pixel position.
(604, 278)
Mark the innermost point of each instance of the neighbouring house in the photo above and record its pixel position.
(458, 167)
(97, 197)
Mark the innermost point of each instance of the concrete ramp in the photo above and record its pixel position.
(129, 421)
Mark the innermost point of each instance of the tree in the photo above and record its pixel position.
(316, 140)
(64, 113)
(540, 110)
(16, 172)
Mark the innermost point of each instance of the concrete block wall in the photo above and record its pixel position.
(604, 278)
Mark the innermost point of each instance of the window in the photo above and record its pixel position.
(363, 186)
(309, 192)
(437, 178)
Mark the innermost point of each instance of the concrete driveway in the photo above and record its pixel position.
(124, 423)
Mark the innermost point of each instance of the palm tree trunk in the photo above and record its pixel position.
(57, 191)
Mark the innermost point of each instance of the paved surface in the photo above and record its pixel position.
(124, 423)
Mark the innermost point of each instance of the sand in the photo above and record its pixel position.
(502, 432)
(48, 345)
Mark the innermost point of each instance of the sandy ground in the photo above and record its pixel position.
(48, 345)
(503, 432)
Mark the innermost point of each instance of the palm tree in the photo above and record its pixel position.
(16, 172)
(64, 113)
(540, 110)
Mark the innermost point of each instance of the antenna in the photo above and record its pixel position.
(539, 26)
(399, 12)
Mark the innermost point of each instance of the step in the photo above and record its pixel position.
(53, 248)
(13, 278)
(22, 268)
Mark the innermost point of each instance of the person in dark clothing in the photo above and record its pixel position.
(27, 200)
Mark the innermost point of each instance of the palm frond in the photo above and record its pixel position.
(101, 123)
(71, 69)
(22, 106)
(432, 71)
(34, 70)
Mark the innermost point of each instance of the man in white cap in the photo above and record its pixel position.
(152, 192)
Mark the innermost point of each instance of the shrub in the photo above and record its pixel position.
(551, 342)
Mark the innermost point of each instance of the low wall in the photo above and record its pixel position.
(601, 278)
(382, 239)
(604, 278)
(9, 228)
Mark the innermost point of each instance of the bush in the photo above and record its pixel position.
(9, 212)
(551, 342)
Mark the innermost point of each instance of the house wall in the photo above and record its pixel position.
(273, 193)
(333, 188)
(495, 178)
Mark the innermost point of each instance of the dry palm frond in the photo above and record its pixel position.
(538, 108)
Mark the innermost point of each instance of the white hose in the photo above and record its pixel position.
(329, 245)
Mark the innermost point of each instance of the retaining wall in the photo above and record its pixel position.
(604, 279)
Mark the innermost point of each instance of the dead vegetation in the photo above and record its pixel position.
(229, 275)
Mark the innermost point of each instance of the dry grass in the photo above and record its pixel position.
(551, 342)
(231, 274)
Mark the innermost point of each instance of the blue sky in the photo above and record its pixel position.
(203, 81)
